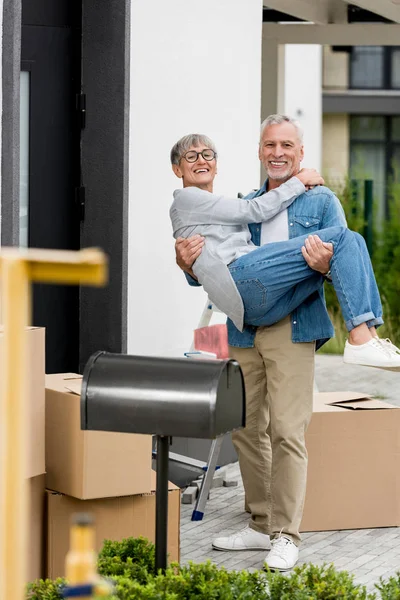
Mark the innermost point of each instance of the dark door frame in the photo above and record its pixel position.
(105, 147)
(104, 158)
(10, 148)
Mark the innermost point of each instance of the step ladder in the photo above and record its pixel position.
(211, 466)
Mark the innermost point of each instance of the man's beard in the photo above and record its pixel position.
(283, 176)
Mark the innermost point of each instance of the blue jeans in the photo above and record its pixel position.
(275, 279)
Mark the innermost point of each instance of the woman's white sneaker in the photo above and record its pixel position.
(283, 556)
(246, 539)
(381, 354)
(386, 343)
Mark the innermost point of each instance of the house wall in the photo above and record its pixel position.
(194, 68)
(336, 145)
(336, 135)
(335, 69)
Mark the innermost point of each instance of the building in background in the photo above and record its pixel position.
(361, 116)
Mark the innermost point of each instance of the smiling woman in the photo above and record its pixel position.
(194, 160)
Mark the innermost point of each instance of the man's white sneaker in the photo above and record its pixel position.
(375, 353)
(246, 539)
(283, 556)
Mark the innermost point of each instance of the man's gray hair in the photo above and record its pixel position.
(187, 142)
(278, 120)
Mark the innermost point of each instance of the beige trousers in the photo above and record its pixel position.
(279, 378)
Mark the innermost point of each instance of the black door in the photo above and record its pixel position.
(50, 56)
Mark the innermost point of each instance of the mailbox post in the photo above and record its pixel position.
(162, 459)
(166, 397)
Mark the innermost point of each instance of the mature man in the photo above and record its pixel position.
(278, 362)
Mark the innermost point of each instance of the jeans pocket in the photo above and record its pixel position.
(252, 291)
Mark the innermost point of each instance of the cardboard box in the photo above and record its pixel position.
(90, 464)
(35, 337)
(115, 518)
(36, 532)
(353, 444)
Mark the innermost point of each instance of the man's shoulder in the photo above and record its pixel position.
(322, 203)
(320, 196)
(320, 190)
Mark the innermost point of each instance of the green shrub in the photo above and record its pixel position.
(45, 589)
(132, 557)
(390, 589)
(204, 581)
(309, 582)
(130, 564)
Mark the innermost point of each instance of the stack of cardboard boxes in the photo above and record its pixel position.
(106, 474)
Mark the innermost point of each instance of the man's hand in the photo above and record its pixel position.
(187, 250)
(309, 178)
(317, 253)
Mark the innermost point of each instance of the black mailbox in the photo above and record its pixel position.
(166, 397)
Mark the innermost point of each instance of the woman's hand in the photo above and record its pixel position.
(310, 178)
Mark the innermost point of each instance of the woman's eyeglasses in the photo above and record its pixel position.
(192, 155)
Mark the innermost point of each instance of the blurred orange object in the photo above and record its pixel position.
(213, 338)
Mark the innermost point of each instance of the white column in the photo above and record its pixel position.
(195, 67)
(272, 77)
(272, 82)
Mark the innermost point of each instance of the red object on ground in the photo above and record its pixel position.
(213, 338)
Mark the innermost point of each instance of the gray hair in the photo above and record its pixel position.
(278, 120)
(187, 142)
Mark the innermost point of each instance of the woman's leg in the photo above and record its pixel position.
(374, 293)
(354, 281)
(275, 279)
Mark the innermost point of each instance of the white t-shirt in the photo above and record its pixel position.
(276, 229)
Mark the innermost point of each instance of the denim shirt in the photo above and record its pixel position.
(318, 208)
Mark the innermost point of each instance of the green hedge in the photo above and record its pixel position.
(385, 256)
(130, 563)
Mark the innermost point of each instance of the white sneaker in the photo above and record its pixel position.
(386, 343)
(375, 353)
(246, 539)
(283, 556)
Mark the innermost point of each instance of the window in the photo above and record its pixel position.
(375, 153)
(375, 67)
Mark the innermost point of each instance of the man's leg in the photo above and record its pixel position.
(252, 443)
(290, 373)
(290, 379)
(254, 452)
(279, 377)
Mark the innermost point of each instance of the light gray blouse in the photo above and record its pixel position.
(223, 222)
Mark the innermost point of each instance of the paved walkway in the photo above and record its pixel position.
(367, 553)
